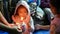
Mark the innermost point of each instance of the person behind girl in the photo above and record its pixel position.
(2, 19)
(55, 23)
(22, 15)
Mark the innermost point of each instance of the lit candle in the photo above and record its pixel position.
(19, 26)
(23, 23)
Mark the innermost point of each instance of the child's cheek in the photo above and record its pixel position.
(24, 15)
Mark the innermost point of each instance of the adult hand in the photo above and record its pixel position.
(37, 26)
(11, 25)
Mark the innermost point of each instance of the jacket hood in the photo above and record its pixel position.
(23, 3)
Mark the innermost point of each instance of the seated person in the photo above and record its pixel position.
(55, 23)
(43, 23)
(22, 16)
(25, 13)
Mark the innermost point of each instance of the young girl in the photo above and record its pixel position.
(22, 16)
(55, 24)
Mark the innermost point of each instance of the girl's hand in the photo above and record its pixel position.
(37, 26)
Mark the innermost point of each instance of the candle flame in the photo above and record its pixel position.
(21, 18)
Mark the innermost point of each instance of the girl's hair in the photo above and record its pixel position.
(56, 4)
(20, 7)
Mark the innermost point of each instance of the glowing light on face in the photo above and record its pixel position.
(21, 18)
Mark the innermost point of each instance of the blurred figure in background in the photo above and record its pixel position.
(55, 23)
(46, 8)
(43, 15)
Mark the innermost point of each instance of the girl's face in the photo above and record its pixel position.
(22, 12)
